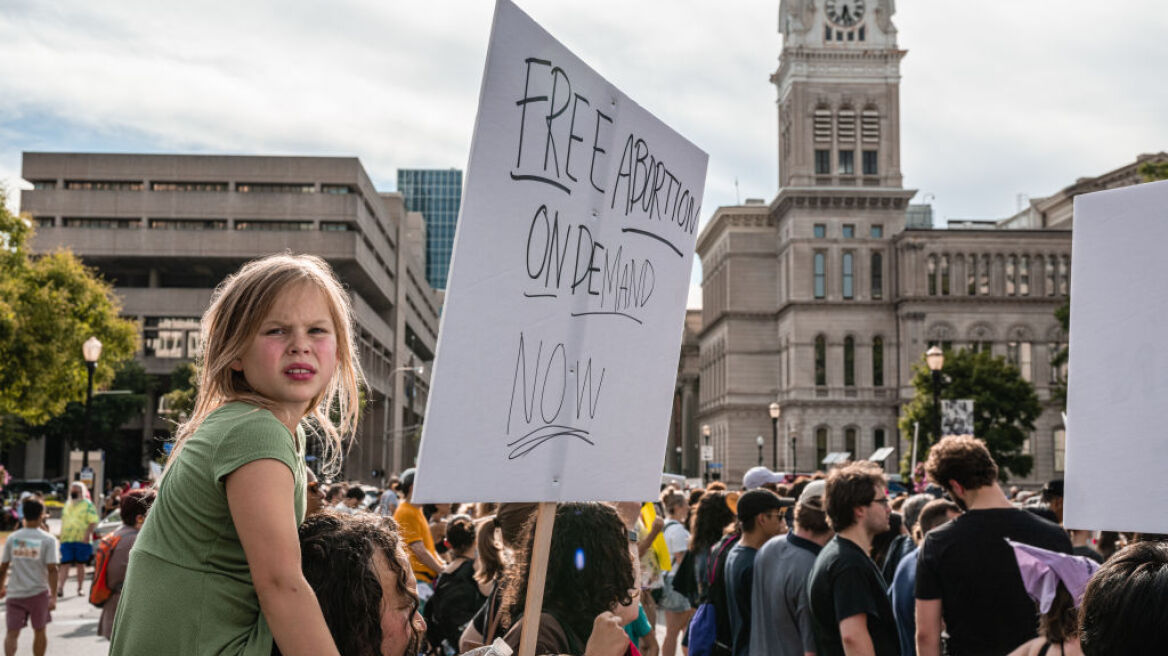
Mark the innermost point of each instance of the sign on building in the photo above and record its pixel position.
(957, 417)
(566, 299)
(1117, 389)
(707, 454)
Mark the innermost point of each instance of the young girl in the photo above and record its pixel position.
(216, 568)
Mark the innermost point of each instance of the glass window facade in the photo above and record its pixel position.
(437, 194)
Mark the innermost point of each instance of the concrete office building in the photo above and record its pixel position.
(166, 229)
(437, 195)
(824, 299)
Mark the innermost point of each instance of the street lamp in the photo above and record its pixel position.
(91, 351)
(935, 358)
(775, 411)
(677, 450)
(706, 465)
(758, 440)
(794, 453)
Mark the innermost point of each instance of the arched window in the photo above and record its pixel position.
(944, 275)
(850, 443)
(820, 360)
(1024, 276)
(877, 276)
(849, 361)
(848, 276)
(878, 361)
(820, 446)
(878, 438)
(1011, 275)
(971, 275)
(820, 275)
(983, 286)
(931, 271)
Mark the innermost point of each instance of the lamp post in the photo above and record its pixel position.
(935, 358)
(794, 453)
(758, 440)
(91, 351)
(677, 450)
(706, 463)
(775, 411)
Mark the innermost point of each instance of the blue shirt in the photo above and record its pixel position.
(739, 582)
(904, 582)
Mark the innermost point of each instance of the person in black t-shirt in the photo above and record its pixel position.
(966, 572)
(850, 610)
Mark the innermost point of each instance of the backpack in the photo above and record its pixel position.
(455, 601)
(100, 591)
(709, 629)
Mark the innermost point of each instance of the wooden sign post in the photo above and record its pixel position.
(545, 520)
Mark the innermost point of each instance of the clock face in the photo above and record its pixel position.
(844, 13)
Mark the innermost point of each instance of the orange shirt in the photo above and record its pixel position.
(412, 527)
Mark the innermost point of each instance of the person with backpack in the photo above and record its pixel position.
(113, 556)
(457, 596)
(675, 604)
(709, 630)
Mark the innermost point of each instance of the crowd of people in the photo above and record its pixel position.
(241, 549)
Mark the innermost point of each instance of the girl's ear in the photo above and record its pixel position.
(236, 365)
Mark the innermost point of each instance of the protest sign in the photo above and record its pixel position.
(566, 298)
(1116, 453)
(957, 417)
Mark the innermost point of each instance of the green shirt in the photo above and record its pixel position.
(76, 518)
(188, 588)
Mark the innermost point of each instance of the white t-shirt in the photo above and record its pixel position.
(30, 551)
(676, 537)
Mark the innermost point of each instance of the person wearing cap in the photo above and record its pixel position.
(757, 477)
(850, 610)
(780, 620)
(415, 534)
(761, 515)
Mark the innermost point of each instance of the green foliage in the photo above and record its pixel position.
(1058, 389)
(1152, 171)
(180, 400)
(1004, 405)
(49, 305)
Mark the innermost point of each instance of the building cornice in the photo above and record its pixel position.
(835, 198)
(732, 216)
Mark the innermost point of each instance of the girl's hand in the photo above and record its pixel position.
(608, 637)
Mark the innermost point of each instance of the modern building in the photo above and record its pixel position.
(823, 300)
(437, 195)
(166, 229)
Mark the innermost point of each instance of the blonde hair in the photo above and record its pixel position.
(238, 307)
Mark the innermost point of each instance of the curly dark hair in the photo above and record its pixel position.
(336, 554)
(710, 521)
(963, 459)
(589, 568)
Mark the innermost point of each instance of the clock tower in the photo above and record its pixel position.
(838, 94)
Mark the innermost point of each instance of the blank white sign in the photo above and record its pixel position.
(1117, 448)
(562, 328)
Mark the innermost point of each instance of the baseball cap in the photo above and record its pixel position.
(814, 489)
(755, 502)
(756, 477)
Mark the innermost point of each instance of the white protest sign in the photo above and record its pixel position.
(1117, 453)
(957, 417)
(564, 311)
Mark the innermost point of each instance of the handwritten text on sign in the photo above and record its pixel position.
(564, 313)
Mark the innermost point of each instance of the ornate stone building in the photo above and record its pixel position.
(823, 300)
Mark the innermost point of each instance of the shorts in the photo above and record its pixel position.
(36, 608)
(672, 600)
(76, 552)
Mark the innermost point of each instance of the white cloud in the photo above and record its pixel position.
(694, 301)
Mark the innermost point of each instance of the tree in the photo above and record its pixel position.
(180, 400)
(1152, 171)
(1058, 388)
(108, 413)
(1004, 405)
(49, 305)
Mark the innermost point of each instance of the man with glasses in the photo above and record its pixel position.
(761, 514)
(850, 610)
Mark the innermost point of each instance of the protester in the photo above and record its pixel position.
(889, 542)
(966, 573)
(1081, 545)
(760, 513)
(676, 605)
(416, 536)
(590, 573)
(134, 506)
(780, 618)
(1123, 609)
(112, 502)
(277, 353)
(710, 524)
(512, 521)
(850, 611)
(761, 477)
(902, 590)
(363, 583)
(30, 557)
(78, 520)
(1056, 583)
(1052, 496)
(709, 629)
(388, 502)
(350, 504)
(314, 501)
(651, 580)
(457, 596)
(436, 515)
(335, 494)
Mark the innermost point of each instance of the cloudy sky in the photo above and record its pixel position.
(998, 97)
